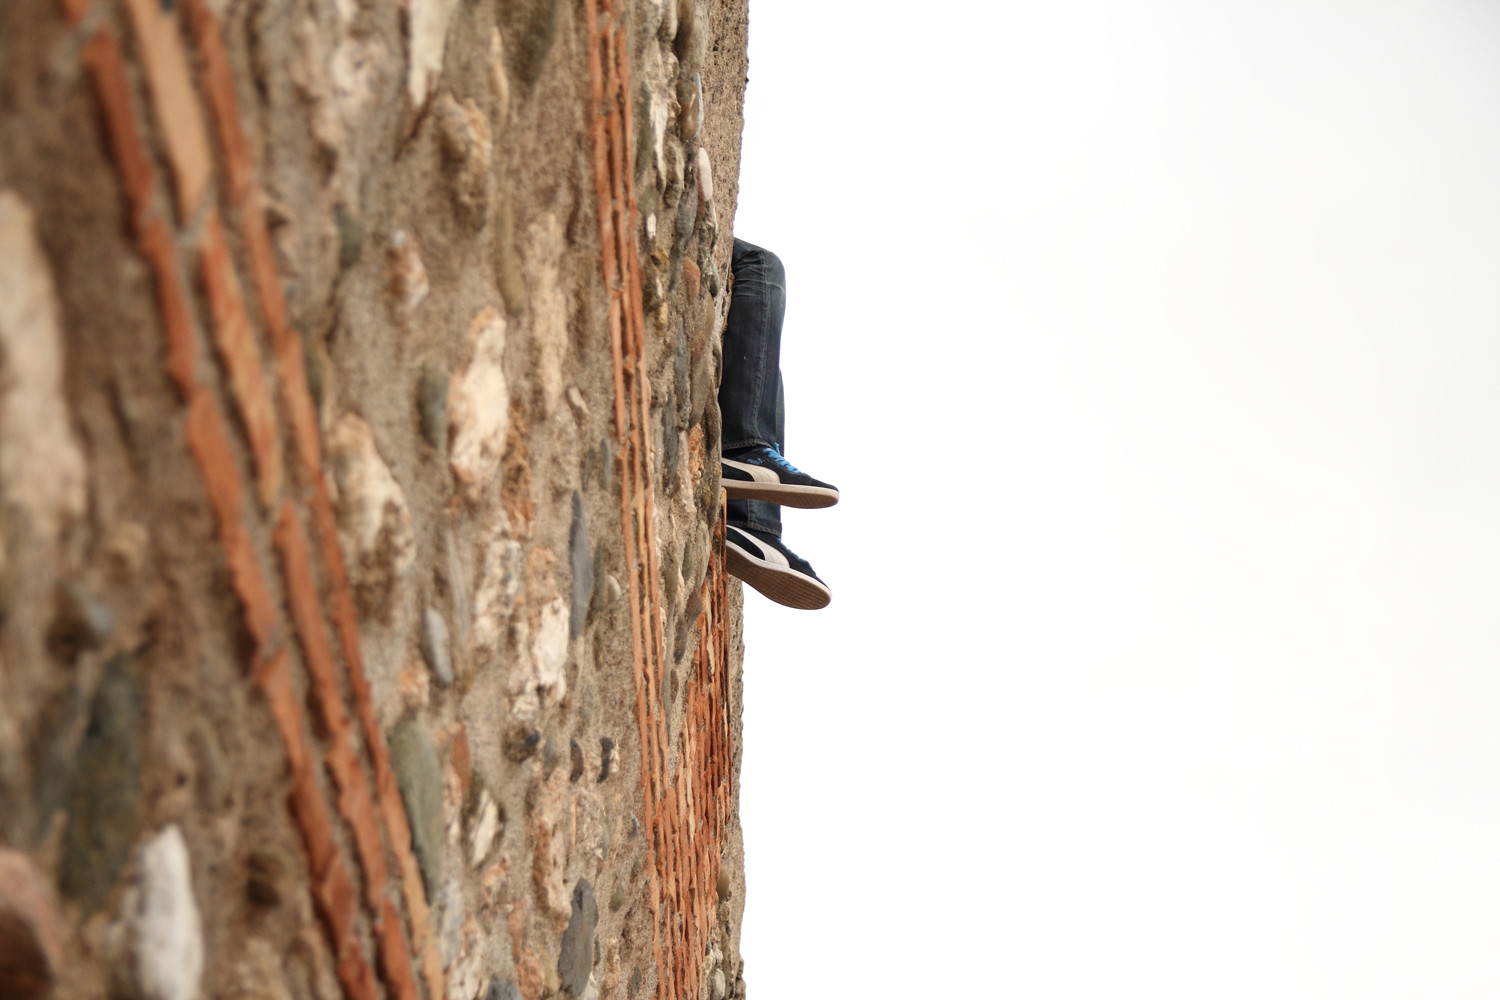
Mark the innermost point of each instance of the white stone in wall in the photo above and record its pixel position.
(589, 821)
(705, 176)
(168, 933)
(499, 80)
(550, 850)
(525, 702)
(41, 466)
(659, 113)
(353, 73)
(406, 276)
(464, 135)
(549, 309)
(578, 403)
(550, 650)
(537, 677)
(338, 74)
(466, 981)
(495, 597)
(676, 165)
(650, 14)
(427, 34)
(485, 827)
(374, 521)
(479, 407)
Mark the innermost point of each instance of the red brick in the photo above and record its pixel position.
(358, 810)
(234, 150)
(250, 584)
(28, 923)
(395, 959)
(680, 836)
(334, 890)
(345, 619)
(398, 832)
(177, 324)
(217, 78)
(208, 439)
(107, 69)
(179, 117)
(74, 10)
(355, 803)
(314, 820)
(608, 237)
(308, 808)
(463, 762)
(263, 268)
(291, 369)
(307, 613)
(274, 677)
(335, 896)
(432, 968)
(354, 972)
(241, 356)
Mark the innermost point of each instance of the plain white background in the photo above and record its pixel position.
(1155, 348)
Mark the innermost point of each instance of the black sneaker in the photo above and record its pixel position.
(762, 474)
(759, 558)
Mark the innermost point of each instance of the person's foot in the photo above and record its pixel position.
(759, 558)
(762, 474)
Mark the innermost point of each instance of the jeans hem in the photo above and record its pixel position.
(728, 446)
(770, 529)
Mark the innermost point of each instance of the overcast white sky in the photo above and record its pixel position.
(1155, 348)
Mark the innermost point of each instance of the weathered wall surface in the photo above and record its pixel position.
(362, 612)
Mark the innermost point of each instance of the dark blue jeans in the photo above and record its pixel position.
(752, 402)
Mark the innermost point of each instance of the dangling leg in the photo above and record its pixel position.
(751, 396)
(752, 349)
(752, 399)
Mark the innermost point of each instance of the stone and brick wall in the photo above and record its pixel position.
(364, 624)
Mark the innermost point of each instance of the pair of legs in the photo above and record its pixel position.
(752, 401)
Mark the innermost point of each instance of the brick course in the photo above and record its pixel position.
(686, 813)
(217, 454)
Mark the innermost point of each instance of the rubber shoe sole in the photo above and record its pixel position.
(805, 497)
(781, 584)
(765, 485)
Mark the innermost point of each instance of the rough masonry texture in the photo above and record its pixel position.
(364, 628)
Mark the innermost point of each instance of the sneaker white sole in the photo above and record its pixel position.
(765, 484)
(806, 497)
(783, 585)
